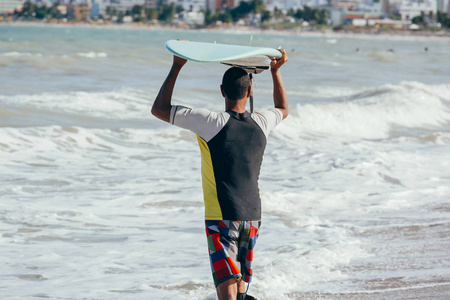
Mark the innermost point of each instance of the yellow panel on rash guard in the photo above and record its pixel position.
(212, 207)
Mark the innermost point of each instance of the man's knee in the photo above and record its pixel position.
(227, 289)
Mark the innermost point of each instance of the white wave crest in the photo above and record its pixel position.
(373, 113)
(93, 54)
(77, 108)
(19, 54)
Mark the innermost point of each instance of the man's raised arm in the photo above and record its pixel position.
(163, 102)
(280, 99)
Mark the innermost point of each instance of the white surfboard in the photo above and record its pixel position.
(253, 59)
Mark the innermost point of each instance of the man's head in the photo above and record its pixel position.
(236, 84)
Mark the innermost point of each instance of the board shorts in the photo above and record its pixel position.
(230, 245)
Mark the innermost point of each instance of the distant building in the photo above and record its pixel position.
(348, 4)
(413, 8)
(122, 5)
(95, 11)
(10, 5)
(42, 2)
(443, 5)
(358, 12)
(192, 5)
(386, 6)
(78, 10)
(292, 4)
(211, 5)
(151, 3)
(279, 4)
(193, 17)
(81, 12)
(360, 20)
(222, 4)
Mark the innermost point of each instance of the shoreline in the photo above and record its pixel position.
(236, 29)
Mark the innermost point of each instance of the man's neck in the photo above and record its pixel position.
(236, 106)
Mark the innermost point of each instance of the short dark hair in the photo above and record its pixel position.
(235, 83)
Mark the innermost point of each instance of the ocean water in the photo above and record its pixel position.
(100, 200)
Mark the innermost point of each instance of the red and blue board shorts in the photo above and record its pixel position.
(230, 245)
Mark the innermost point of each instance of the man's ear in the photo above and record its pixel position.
(249, 91)
(221, 90)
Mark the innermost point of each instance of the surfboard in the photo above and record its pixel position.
(253, 59)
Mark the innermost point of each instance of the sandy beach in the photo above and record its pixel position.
(433, 292)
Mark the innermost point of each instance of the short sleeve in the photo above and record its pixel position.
(203, 122)
(268, 119)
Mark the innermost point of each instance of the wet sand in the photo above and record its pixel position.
(435, 292)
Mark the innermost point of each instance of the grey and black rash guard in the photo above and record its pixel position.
(232, 147)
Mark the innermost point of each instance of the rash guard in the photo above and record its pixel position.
(232, 146)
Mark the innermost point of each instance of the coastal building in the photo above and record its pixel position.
(81, 11)
(317, 3)
(211, 4)
(348, 4)
(151, 3)
(10, 5)
(358, 12)
(413, 8)
(222, 4)
(386, 7)
(192, 5)
(122, 5)
(279, 4)
(193, 17)
(443, 6)
(41, 2)
(286, 5)
(292, 4)
(95, 10)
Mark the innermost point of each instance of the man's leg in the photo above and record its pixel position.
(227, 290)
(241, 286)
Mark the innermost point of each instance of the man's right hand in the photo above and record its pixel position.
(277, 63)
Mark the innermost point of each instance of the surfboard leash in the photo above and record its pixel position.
(251, 94)
(253, 81)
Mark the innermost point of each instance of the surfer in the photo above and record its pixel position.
(232, 144)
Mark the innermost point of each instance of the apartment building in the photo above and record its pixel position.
(10, 5)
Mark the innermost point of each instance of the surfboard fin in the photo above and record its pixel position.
(250, 70)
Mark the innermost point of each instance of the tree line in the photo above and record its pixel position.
(424, 20)
(256, 8)
(40, 12)
(166, 13)
(253, 11)
(139, 13)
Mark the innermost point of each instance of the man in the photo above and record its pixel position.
(232, 144)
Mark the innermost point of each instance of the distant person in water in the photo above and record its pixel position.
(232, 145)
